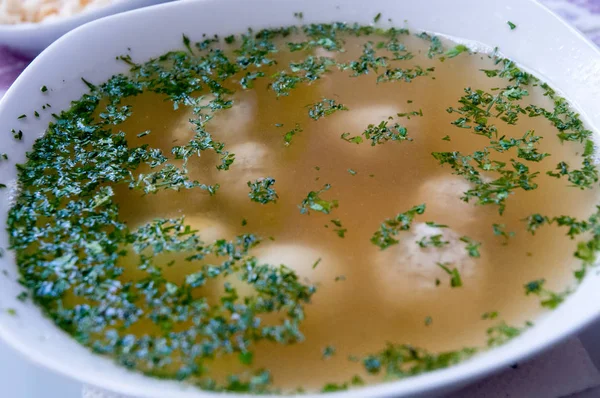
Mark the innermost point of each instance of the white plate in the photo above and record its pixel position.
(32, 38)
(542, 42)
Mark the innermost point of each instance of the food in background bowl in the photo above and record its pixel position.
(33, 11)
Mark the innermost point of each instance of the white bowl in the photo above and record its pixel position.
(542, 42)
(32, 38)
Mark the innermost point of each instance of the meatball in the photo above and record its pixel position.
(252, 161)
(414, 264)
(444, 204)
(227, 125)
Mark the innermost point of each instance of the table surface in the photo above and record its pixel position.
(20, 379)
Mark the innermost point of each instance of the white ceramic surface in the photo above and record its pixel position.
(542, 42)
(32, 38)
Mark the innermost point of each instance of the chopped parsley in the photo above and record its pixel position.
(549, 299)
(287, 138)
(398, 361)
(261, 191)
(511, 25)
(324, 108)
(403, 74)
(490, 315)
(472, 246)
(435, 225)
(381, 133)
(333, 387)
(502, 333)
(455, 279)
(457, 50)
(499, 230)
(328, 352)
(494, 192)
(341, 232)
(316, 263)
(435, 47)
(315, 202)
(436, 241)
(390, 228)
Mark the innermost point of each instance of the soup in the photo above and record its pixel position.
(307, 208)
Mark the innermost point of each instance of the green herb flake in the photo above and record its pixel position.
(352, 172)
(499, 230)
(186, 43)
(43, 89)
(435, 225)
(503, 333)
(398, 361)
(435, 47)
(316, 263)
(357, 381)
(472, 246)
(324, 108)
(428, 320)
(377, 18)
(287, 138)
(333, 387)
(435, 241)
(246, 358)
(328, 352)
(457, 50)
(261, 191)
(390, 228)
(490, 315)
(446, 138)
(455, 279)
(341, 232)
(313, 201)
(381, 133)
(353, 140)
(549, 299)
(511, 25)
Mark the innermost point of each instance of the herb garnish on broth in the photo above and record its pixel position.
(127, 233)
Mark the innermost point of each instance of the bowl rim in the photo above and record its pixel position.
(385, 389)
